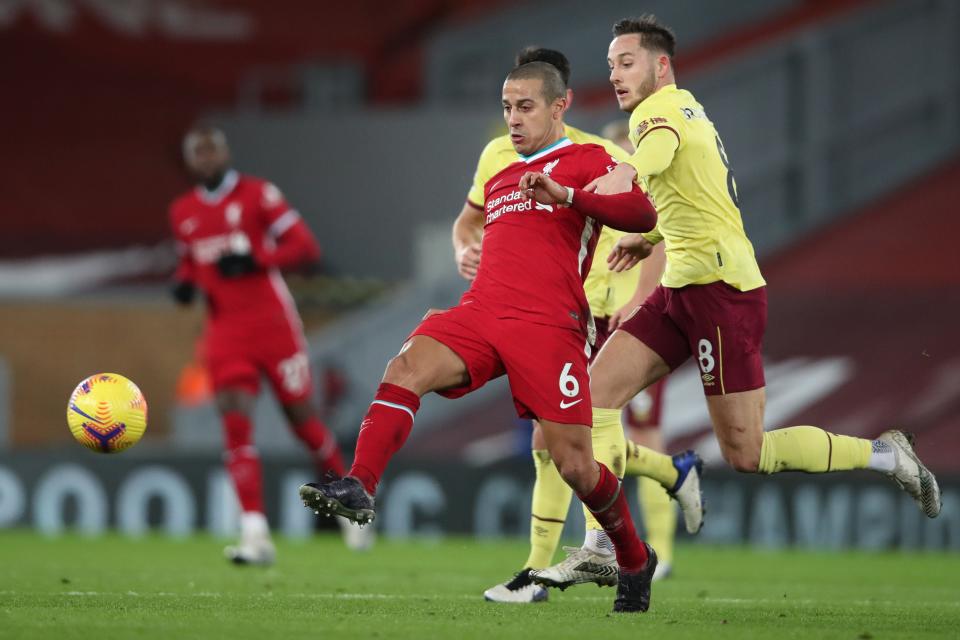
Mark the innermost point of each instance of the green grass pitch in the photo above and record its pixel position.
(111, 587)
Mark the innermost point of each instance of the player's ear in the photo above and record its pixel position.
(559, 106)
(663, 65)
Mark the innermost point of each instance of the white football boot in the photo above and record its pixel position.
(255, 546)
(518, 590)
(910, 474)
(581, 566)
(260, 552)
(686, 491)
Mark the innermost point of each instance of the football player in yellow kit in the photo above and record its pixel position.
(551, 495)
(712, 302)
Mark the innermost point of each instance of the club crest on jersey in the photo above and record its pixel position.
(232, 213)
(550, 167)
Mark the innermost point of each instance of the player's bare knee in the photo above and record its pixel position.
(401, 371)
(574, 467)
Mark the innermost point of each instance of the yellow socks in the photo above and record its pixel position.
(659, 517)
(813, 450)
(551, 500)
(608, 448)
(648, 463)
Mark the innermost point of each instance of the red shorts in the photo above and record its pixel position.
(546, 365)
(720, 326)
(236, 358)
(646, 409)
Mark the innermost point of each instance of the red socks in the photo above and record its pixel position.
(242, 461)
(322, 445)
(383, 431)
(609, 505)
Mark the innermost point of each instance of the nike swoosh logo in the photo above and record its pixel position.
(567, 405)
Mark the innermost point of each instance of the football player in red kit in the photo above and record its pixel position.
(526, 316)
(234, 234)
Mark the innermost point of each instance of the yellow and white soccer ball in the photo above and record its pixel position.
(107, 413)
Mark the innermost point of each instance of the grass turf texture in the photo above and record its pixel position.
(111, 587)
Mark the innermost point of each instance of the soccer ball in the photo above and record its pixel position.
(107, 413)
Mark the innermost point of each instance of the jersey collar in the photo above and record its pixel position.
(559, 144)
(227, 185)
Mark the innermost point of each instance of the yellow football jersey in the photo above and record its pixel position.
(604, 291)
(699, 216)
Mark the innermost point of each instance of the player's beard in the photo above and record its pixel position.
(648, 86)
(214, 180)
(644, 91)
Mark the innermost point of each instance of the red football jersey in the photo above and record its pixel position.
(243, 214)
(534, 257)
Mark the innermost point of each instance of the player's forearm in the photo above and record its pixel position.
(467, 228)
(650, 273)
(630, 211)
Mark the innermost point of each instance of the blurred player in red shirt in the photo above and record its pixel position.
(235, 233)
(526, 316)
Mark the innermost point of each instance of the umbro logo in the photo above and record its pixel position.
(566, 405)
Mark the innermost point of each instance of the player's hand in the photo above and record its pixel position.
(542, 188)
(629, 250)
(468, 261)
(620, 180)
(235, 265)
(619, 316)
(183, 292)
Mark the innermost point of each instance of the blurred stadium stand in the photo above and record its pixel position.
(846, 149)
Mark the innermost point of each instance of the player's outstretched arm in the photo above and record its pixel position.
(630, 211)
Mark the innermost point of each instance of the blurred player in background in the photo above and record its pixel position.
(607, 292)
(712, 301)
(526, 316)
(234, 234)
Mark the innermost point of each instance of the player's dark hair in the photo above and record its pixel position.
(552, 86)
(653, 35)
(550, 56)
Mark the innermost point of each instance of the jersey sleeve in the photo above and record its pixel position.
(276, 213)
(654, 236)
(654, 153)
(656, 138)
(486, 169)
